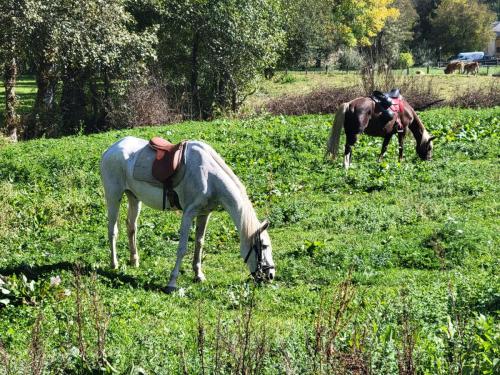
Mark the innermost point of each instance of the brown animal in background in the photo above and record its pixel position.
(454, 65)
(472, 68)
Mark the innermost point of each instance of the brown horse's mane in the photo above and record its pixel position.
(416, 126)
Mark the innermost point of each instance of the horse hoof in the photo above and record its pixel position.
(200, 278)
(170, 289)
(114, 266)
(134, 263)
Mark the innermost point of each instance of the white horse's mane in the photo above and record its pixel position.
(249, 221)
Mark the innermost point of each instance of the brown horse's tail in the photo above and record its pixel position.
(338, 124)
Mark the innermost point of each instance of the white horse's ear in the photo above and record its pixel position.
(433, 137)
(264, 225)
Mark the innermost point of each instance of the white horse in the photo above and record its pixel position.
(203, 182)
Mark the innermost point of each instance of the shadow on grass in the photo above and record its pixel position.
(116, 278)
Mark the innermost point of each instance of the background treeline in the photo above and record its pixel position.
(117, 63)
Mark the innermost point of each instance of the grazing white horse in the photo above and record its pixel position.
(203, 182)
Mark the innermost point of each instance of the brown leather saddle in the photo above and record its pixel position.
(167, 161)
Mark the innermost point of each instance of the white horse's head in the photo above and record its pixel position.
(259, 258)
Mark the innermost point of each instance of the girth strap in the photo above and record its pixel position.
(170, 194)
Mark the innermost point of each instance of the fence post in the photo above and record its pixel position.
(487, 69)
(407, 70)
(427, 69)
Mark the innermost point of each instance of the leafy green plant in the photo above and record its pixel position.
(405, 60)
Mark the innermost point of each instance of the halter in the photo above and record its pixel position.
(257, 248)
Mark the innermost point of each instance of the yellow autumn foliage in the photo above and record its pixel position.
(356, 22)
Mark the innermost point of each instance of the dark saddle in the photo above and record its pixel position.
(167, 161)
(385, 101)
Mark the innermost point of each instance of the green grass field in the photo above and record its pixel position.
(417, 243)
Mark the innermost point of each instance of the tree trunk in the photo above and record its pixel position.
(234, 96)
(195, 95)
(73, 102)
(43, 116)
(46, 83)
(97, 117)
(11, 118)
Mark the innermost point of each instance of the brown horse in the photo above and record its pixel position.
(472, 68)
(454, 65)
(364, 115)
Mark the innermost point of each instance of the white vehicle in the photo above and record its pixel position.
(470, 56)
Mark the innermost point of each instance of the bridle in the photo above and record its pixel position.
(257, 248)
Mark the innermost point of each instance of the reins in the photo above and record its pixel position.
(257, 248)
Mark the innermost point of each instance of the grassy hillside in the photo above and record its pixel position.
(386, 266)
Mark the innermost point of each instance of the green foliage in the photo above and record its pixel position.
(19, 290)
(429, 228)
(350, 58)
(286, 78)
(396, 34)
(462, 26)
(406, 60)
(484, 354)
(314, 29)
(217, 49)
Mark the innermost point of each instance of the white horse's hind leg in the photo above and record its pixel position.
(113, 211)
(134, 208)
(201, 226)
(187, 221)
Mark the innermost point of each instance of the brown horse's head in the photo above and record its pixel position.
(424, 149)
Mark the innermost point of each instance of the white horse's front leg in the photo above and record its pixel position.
(201, 226)
(187, 220)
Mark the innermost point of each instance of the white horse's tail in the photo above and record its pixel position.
(338, 124)
(226, 169)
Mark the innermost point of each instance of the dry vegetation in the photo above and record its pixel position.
(421, 91)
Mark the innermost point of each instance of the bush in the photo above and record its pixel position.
(478, 97)
(350, 59)
(406, 60)
(322, 100)
(143, 103)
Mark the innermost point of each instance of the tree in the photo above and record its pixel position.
(396, 34)
(83, 43)
(494, 5)
(14, 24)
(212, 51)
(315, 28)
(462, 25)
(423, 29)
(306, 32)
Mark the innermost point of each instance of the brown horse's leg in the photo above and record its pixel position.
(401, 140)
(387, 139)
(350, 141)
